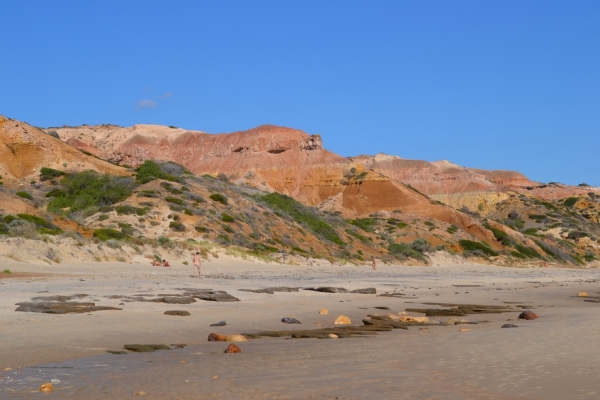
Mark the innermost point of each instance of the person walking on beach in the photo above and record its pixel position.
(197, 264)
(374, 266)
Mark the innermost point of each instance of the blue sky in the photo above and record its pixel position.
(488, 84)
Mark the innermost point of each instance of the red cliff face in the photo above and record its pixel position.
(271, 158)
(25, 149)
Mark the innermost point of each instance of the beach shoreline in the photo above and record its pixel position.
(482, 357)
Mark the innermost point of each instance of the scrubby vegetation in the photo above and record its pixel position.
(151, 170)
(88, 191)
(304, 215)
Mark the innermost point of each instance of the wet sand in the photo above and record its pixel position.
(553, 357)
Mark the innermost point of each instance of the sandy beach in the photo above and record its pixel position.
(552, 357)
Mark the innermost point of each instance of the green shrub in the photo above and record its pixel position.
(527, 251)
(174, 200)
(428, 223)
(531, 231)
(402, 249)
(223, 239)
(177, 226)
(421, 245)
(47, 174)
(363, 239)
(24, 195)
(151, 170)
(201, 229)
(103, 217)
(452, 229)
(516, 254)
(570, 202)
(366, 224)
(500, 236)
(105, 234)
(89, 189)
(303, 215)
(130, 210)
(55, 193)
(219, 198)
(470, 245)
(170, 188)
(227, 228)
(263, 248)
(227, 218)
(299, 250)
(41, 225)
(147, 193)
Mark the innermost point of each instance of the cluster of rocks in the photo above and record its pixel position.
(61, 305)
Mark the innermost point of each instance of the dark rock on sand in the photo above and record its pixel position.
(233, 348)
(341, 331)
(220, 323)
(289, 320)
(174, 300)
(528, 315)
(365, 291)
(62, 307)
(61, 299)
(397, 295)
(327, 289)
(116, 352)
(181, 313)
(271, 290)
(382, 308)
(211, 295)
(145, 348)
(509, 326)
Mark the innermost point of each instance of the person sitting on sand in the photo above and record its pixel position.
(165, 263)
(156, 263)
(197, 263)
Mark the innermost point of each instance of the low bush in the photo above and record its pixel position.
(41, 225)
(366, 224)
(470, 245)
(177, 226)
(219, 198)
(201, 229)
(105, 234)
(227, 218)
(304, 215)
(47, 174)
(420, 245)
(88, 190)
(527, 251)
(24, 195)
(174, 200)
(570, 202)
(130, 210)
(363, 239)
(263, 248)
(452, 229)
(147, 193)
(151, 170)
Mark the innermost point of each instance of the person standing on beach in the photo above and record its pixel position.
(374, 266)
(197, 263)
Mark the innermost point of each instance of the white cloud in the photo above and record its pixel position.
(166, 96)
(145, 103)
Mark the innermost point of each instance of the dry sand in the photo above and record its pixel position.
(553, 357)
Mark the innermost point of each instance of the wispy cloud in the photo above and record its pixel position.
(145, 103)
(166, 96)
